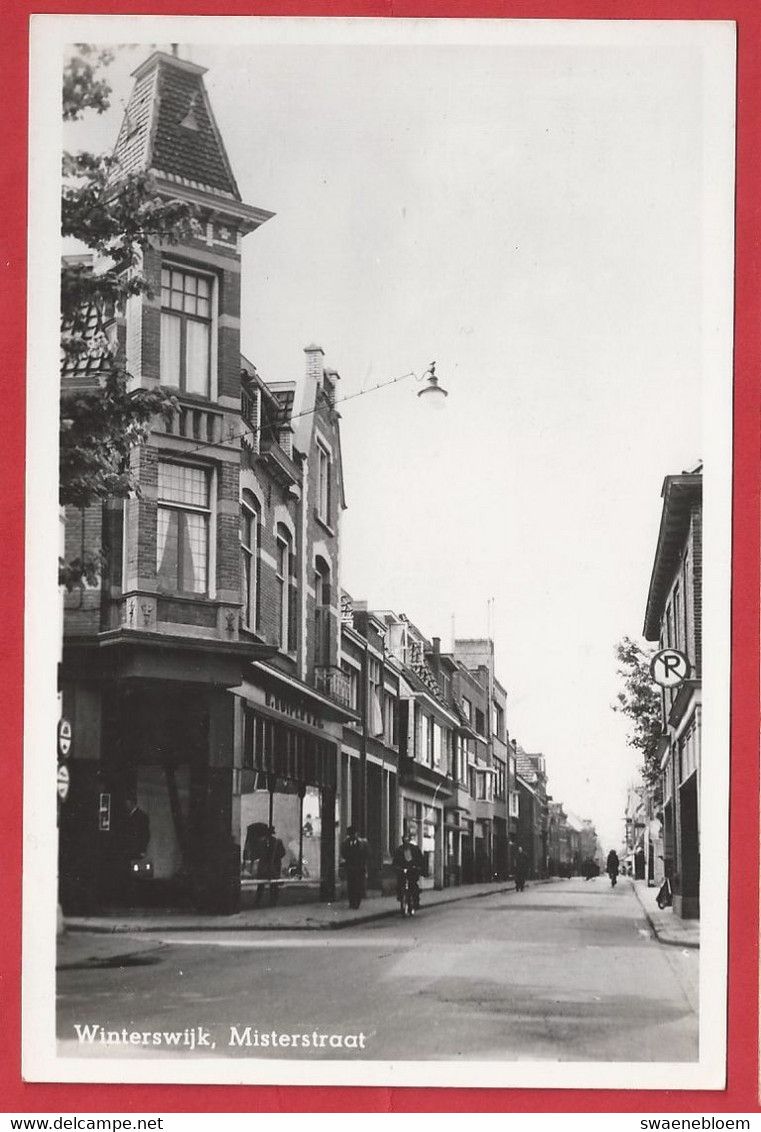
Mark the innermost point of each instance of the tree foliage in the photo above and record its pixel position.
(640, 701)
(114, 217)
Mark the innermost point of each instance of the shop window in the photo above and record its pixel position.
(186, 331)
(182, 540)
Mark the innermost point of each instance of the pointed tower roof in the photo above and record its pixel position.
(169, 130)
(169, 127)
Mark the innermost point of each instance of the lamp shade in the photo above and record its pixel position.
(432, 392)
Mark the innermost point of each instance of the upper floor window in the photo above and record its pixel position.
(467, 707)
(390, 718)
(249, 545)
(498, 721)
(435, 744)
(322, 610)
(323, 484)
(182, 538)
(352, 684)
(285, 577)
(425, 741)
(480, 722)
(678, 627)
(186, 314)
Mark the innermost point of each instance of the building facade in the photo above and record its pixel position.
(202, 674)
(673, 619)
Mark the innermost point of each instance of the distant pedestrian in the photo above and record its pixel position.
(520, 869)
(354, 853)
(612, 866)
(271, 853)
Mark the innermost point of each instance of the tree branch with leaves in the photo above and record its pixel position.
(114, 217)
(640, 701)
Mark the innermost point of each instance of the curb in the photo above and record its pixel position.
(123, 927)
(661, 936)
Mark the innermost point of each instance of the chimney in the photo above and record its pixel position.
(315, 359)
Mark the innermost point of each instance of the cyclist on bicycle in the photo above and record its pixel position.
(408, 859)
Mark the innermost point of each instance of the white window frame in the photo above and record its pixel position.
(211, 523)
(213, 321)
(324, 471)
(251, 553)
(283, 580)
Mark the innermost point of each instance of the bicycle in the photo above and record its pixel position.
(409, 895)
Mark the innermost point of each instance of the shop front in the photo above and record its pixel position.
(423, 823)
(287, 780)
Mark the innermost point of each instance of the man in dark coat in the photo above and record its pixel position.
(408, 858)
(612, 866)
(270, 868)
(520, 869)
(354, 853)
(133, 841)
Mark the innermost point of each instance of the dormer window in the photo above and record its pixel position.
(186, 320)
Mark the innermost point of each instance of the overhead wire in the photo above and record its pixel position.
(233, 438)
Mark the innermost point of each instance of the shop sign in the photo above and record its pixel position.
(295, 709)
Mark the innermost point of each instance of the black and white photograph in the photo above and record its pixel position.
(378, 544)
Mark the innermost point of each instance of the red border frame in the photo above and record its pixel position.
(741, 1094)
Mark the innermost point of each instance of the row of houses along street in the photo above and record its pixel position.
(219, 679)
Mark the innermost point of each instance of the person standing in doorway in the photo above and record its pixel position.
(133, 845)
(354, 853)
(270, 866)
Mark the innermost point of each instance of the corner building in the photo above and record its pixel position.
(203, 673)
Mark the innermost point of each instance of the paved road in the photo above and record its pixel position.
(563, 971)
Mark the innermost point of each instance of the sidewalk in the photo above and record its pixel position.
(293, 917)
(666, 927)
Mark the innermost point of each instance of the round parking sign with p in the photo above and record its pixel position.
(669, 667)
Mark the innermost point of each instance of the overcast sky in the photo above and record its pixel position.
(532, 218)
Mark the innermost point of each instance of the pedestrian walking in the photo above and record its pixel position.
(354, 853)
(271, 853)
(520, 869)
(612, 866)
(409, 863)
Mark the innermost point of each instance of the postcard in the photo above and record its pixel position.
(384, 372)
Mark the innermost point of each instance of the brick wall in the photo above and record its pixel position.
(83, 536)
